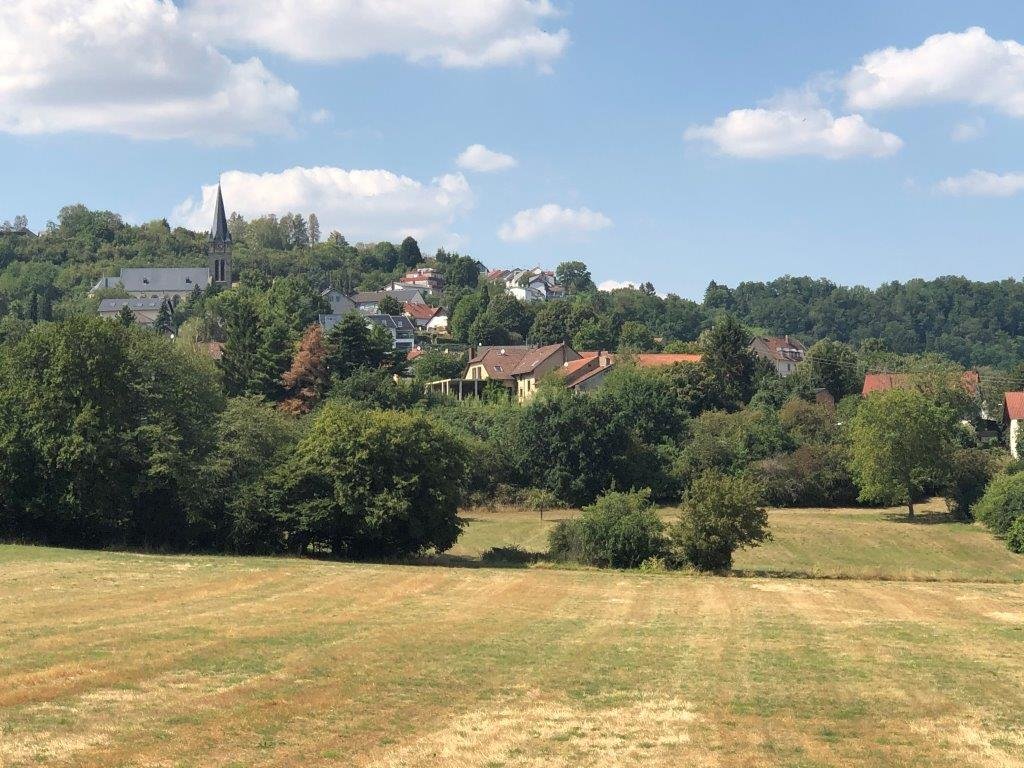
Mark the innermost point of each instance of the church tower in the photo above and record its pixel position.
(219, 246)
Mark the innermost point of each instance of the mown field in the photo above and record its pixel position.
(111, 659)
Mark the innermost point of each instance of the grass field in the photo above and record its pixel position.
(110, 659)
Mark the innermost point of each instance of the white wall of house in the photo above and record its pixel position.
(1014, 434)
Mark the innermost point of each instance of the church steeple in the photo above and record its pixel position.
(219, 245)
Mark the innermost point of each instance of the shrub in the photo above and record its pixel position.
(1015, 536)
(720, 514)
(508, 556)
(1003, 503)
(970, 470)
(620, 530)
(810, 476)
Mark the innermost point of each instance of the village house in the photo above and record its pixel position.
(881, 382)
(1013, 415)
(589, 371)
(528, 285)
(400, 328)
(339, 303)
(145, 311)
(427, 318)
(179, 282)
(368, 301)
(783, 352)
(536, 364)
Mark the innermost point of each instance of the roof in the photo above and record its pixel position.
(180, 279)
(419, 311)
(572, 366)
(499, 362)
(392, 322)
(882, 382)
(136, 305)
(535, 357)
(413, 353)
(666, 358)
(399, 294)
(219, 231)
(1013, 406)
(781, 348)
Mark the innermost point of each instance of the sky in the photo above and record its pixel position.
(671, 142)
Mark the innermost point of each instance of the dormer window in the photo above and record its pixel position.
(145, 280)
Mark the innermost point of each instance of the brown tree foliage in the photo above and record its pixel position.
(308, 377)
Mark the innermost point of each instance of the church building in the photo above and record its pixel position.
(180, 282)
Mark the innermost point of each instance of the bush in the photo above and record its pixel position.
(508, 556)
(539, 500)
(720, 514)
(1003, 503)
(620, 530)
(810, 476)
(970, 470)
(1015, 536)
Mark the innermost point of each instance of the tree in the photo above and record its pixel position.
(314, 229)
(389, 305)
(486, 330)
(432, 365)
(351, 345)
(461, 271)
(726, 354)
(901, 441)
(636, 337)
(164, 322)
(574, 277)
(550, 326)
(373, 484)
(409, 252)
(720, 514)
(244, 363)
(833, 365)
(126, 317)
(464, 314)
(1002, 504)
(308, 378)
(101, 431)
(569, 445)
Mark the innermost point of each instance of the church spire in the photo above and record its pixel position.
(219, 231)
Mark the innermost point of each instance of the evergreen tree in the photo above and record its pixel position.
(725, 348)
(308, 378)
(409, 252)
(389, 305)
(164, 323)
(33, 308)
(126, 317)
(314, 229)
(351, 345)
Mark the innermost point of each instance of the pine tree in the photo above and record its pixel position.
(308, 378)
(409, 252)
(33, 308)
(164, 322)
(126, 317)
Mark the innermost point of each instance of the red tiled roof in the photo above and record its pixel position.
(413, 353)
(882, 382)
(781, 348)
(665, 358)
(1013, 405)
(419, 311)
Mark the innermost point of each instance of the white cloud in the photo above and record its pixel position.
(982, 184)
(479, 158)
(968, 131)
(128, 67)
(786, 130)
(452, 33)
(612, 285)
(968, 67)
(363, 205)
(552, 219)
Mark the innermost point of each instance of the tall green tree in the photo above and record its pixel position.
(574, 277)
(901, 442)
(351, 346)
(409, 252)
(726, 354)
(389, 305)
(833, 365)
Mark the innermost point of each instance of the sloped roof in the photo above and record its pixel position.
(392, 322)
(882, 382)
(666, 358)
(136, 305)
(536, 357)
(178, 279)
(399, 294)
(780, 348)
(419, 311)
(219, 231)
(499, 362)
(1013, 405)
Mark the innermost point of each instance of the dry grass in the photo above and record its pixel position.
(129, 660)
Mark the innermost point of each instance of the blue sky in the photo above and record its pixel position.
(608, 109)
